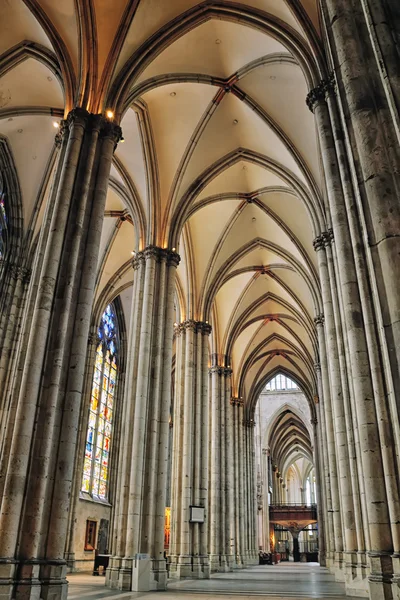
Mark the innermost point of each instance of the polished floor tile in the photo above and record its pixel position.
(283, 582)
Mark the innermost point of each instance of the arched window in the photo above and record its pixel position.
(281, 383)
(98, 440)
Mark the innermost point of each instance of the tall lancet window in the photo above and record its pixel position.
(96, 469)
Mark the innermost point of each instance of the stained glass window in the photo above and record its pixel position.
(98, 440)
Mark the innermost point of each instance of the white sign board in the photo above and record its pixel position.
(197, 514)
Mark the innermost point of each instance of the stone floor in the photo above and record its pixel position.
(284, 582)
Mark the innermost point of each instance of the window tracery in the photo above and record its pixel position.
(281, 383)
(96, 468)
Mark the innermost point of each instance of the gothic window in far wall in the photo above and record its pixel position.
(96, 468)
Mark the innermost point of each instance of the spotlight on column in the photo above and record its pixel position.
(56, 124)
(109, 114)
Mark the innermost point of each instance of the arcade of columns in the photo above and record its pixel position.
(44, 331)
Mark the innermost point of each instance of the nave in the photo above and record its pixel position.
(285, 581)
(199, 207)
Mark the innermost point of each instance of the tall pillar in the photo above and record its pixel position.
(189, 540)
(144, 462)
(363, 50)
(220, 470)
(41, 456)
(335, 524)
(380, 494)
(237, 412)
(250, 490)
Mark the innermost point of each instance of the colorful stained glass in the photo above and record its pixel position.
(98, 441)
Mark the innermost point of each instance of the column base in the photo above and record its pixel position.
(322, 559)
(139, 574)
(119, 574)
(218, 563)
(239, 564)
(384, 577)
(189, 567)
(339, 567)
(356, 574)
(7, 578)
(70, 560)
(33, 580)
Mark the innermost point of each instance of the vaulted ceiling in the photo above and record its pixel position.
(220, 158)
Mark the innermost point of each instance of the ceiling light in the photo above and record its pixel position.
(254, 219)
(235, 121)
(34, 157)
(272, 77)
(20, 130)
(122, 140)
(109, 114)
(10, 119)
(173, 94)
(217, 41)
(56, 124)
(173, 249)
(49, 78)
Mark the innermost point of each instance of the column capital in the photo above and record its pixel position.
(314, 421)
(106, 127)
(316, 399)
(158, 254)
(196, 326)
(249, 423)
(18, 272)
(319, 320)
(318, 243)
(92, 339)
(317, 365)
(320, 92)
(236, 401)
(323, 240)
(216, 369)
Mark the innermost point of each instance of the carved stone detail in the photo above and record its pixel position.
(319, 320)
(320, 92)
(159, 254)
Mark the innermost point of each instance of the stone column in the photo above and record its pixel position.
(41, 458)
(188, 551)
(377, 470)
(332, 484)
(265, 479)
(230, 529)
(79, 459)
(250, 490)
(362, 54)
(140, 522)
(221, 473)
(324, 482)
(237, 414)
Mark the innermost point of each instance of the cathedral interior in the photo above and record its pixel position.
(199, 297)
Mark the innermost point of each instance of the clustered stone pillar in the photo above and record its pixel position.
(250, 492)
(221, 484)
(236, 405)
(138, 534)
(45, 399)
(357, 344)
(189, 540)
